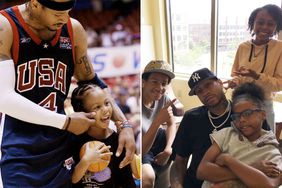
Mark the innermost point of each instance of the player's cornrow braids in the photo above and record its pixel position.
(77, 96)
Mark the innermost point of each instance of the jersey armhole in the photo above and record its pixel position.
(70, 31)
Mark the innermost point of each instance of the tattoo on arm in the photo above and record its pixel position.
(1, 29)
(84, 60)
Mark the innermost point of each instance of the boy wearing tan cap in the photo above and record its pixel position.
(156, 112)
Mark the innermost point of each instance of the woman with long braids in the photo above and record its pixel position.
(259, 60)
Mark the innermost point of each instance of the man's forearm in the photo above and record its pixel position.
(148, 138)
(177, 173)
(117, 113)
(170, 135)
(93, 80)
(19, 107)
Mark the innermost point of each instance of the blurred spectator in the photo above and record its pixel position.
(115, 26)
(106, 37)
(134, 99)
(136, 38)
(120, 37)
(92, 37)
(97, 5)
(121, 102)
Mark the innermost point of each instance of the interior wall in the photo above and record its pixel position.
(181, 90)
(153, 16)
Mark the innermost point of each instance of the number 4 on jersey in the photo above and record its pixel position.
(49, 102)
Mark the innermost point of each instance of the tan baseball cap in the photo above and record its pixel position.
(159, 66)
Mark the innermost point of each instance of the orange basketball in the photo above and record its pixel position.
(98, 166)
(136, 166)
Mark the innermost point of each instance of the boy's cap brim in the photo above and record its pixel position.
(171, 75)
(159, 66)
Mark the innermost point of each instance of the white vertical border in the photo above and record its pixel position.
(2, 120)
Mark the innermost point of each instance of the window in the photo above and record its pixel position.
(236, 32)
(194, 49)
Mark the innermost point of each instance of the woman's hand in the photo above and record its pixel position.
(243, 71)
(231, 83)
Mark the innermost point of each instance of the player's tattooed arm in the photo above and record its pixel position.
(83, 67)
(1, 32)
(84, 61)
(6, 39)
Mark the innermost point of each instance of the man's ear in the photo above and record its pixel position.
(220, 82)
(34, 3)
(263, 115)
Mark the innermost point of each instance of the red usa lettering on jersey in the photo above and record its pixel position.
(42, 69)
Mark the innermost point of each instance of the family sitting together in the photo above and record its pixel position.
(228, 143)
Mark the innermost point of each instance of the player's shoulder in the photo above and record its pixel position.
(5, 24)
(6, 35)
(76, 25)
(79, 33)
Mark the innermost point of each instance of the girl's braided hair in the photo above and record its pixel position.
(78, 95)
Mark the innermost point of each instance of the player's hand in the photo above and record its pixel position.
(126, 140)
(80, 122)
